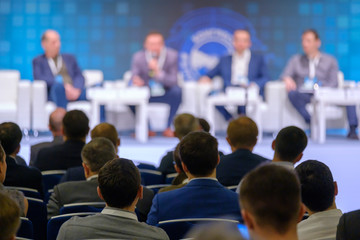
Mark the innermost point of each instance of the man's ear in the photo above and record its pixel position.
(301, 212)
(177, 169)
(184, 167)
(273, 145)
(298, 158)
(336, 189)
(140, 192)
(228, 140)
(17, 150)
(86, 170)
(118, 142)
(218, 160)
(248, 219)
(99, 193)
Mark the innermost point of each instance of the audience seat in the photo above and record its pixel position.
(37, 214)
(28, 192)
(177, 228)
(151, 177)
(51, 178)
(82, 207)
(170, 177)
(232, 188)
(26, 229)
(146, 166)
(157, 187)
(55, 223)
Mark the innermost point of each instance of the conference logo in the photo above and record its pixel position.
(204, 35)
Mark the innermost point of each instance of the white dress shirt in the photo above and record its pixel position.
(240, 68)
(321, 225)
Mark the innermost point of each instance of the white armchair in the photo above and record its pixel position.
(42, 108)
(14, 98)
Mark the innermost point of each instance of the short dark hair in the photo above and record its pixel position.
(75, 124)
(242, 132)
(290, 143)
(271, 193)
(9, 217)
(10, 136)
(119, 182)
(176, 157)
(154, 32)
(185, 123)
(105, 130)
(204, 124)
(97, 152)
(313, 31)
(199, 152)
(317, 185)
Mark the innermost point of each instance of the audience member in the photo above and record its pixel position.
(61, 72)
(242, 136)
(204, 125)
(17, 175)
(9, 218)
(157, 67)
(181, 179)
(203, 196)
(348, 227)
(318, 191)
(183, 124)
(243, 68)
(94, 155)
(15, 195)
(75, 127)
(271, 203)
(120, 187)
(313, 67)
(105, 130)
(55, 126)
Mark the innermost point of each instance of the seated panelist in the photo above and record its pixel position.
(61, 72)
(243, 68)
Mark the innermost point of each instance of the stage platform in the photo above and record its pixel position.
(340, 154)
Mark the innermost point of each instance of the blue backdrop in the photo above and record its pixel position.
(104, 34)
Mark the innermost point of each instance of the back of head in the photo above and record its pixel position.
(119, 182)
(242, 132)
(317, 185)
(56, 119)
(271, 194)
(105, 130)
(10, 137)
(184, 124)
(75, 125)
(9, 217)
(205, 126)
(215, 231)
(290, 143)
(98, 152)
(199, 152)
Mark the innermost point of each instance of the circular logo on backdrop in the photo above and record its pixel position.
(204, 35)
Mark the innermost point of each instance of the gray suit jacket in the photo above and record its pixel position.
(101, 226)
(34, 150)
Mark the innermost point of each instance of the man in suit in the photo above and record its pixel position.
(348, 227)
(94, 155)
(313, 67)
(318, 192)
(9, 217)
(55, 125)
(61, 72)
(243, 68)
(242, 137)
(17, 175)
(157, 67)
(270, 203)
(183, 123)
(120, 187)
(203, 196)
(75, 127)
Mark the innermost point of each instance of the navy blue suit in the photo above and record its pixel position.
(200, 198)
(56, 91)
(233, 167)
(257, 73)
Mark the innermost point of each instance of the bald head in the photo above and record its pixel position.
(50, 42)
(108, 131)
(55, 121)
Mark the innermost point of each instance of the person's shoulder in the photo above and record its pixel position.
(328, 57)
(256, 54)
(155, 230)
(139, 54)
(72, 184)
(171, 51)
(68, 56)
(38, 58)
(260, 158)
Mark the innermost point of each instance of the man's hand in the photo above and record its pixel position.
(137, 81)
(71, 93)
(289, 84)
(204, 80)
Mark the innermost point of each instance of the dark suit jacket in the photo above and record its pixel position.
(200, 198)
(60, 157)
(257, 72)
(73, 174)
(167, 164)
(233, 167)
(21, 176)
(34, 150)
(348, 227)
